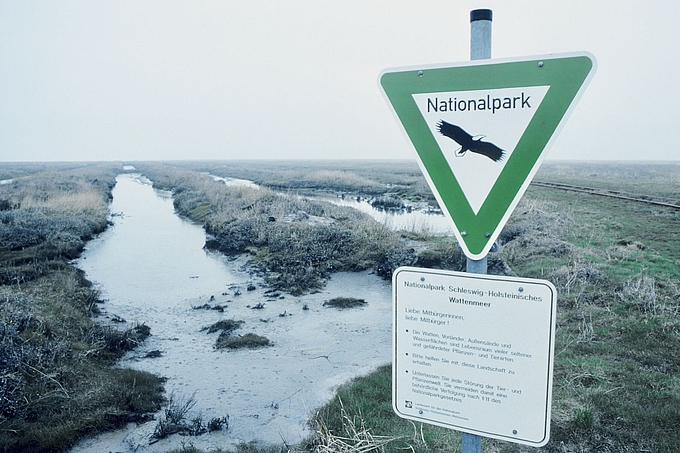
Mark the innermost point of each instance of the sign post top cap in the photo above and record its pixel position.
(481, 14)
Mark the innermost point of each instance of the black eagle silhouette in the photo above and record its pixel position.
(468, 143)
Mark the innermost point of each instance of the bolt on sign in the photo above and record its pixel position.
(481, 129)
(474, 352)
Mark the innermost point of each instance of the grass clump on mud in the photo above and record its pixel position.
(177, 419)
(57, 382)
(224, 325)
(228, 340)
(248, 341)
(345, 302)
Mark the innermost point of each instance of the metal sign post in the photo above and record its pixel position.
(480, 49)
(480, 34)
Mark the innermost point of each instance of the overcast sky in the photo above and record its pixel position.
(137, 80)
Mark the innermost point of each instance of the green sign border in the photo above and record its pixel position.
(564, 74)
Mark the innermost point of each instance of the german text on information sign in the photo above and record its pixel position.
(474, 352)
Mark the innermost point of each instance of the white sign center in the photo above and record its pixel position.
(474, 352)
(496, 116)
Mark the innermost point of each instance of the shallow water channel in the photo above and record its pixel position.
(418, 220)
(151, 268)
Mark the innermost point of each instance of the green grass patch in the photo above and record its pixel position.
(361, 415)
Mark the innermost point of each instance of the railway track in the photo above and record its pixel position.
(656, 201)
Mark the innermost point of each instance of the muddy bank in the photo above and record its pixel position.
(269, 393)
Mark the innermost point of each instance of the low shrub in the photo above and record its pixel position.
(116, 342)
(394, 259)
(218, 423)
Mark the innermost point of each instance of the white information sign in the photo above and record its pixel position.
(474, 352)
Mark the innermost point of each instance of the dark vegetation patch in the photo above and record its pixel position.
(250, 341)
(388, 203)
(216, 307)
(228, 340)
(224, 325)
(345, 302)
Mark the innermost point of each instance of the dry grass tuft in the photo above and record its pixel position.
(250, 341)
(88, 201)
(642, 292)
(356, 437)
(338, 178)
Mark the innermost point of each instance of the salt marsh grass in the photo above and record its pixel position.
(57, 382)
(296, 242)
(88, 202)
(339, 178)
(615, 264)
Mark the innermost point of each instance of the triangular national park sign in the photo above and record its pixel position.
(480, 130)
